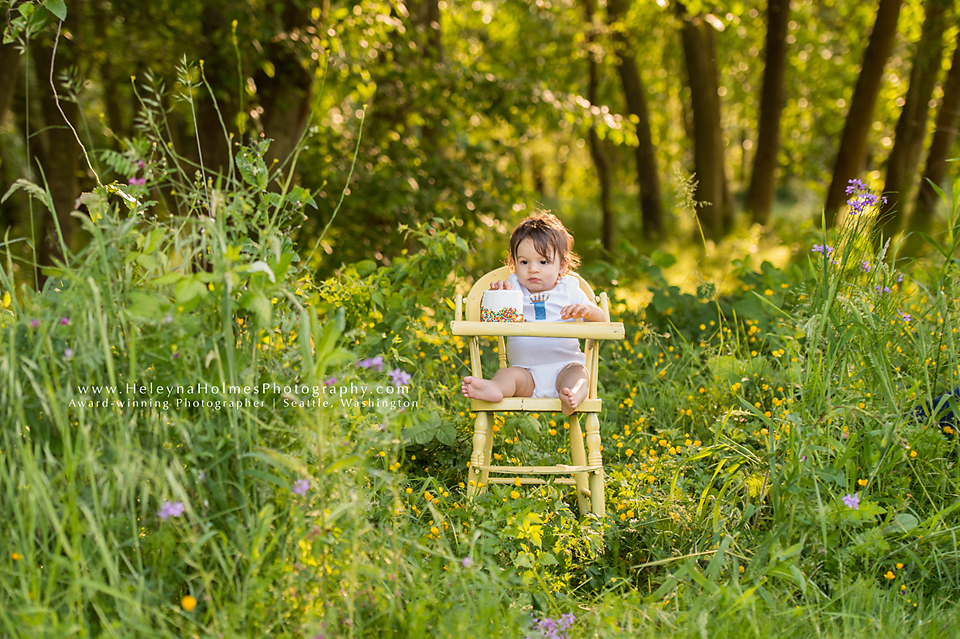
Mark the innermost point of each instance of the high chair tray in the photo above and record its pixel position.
(580, 330)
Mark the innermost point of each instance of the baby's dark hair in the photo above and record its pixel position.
(550, 238)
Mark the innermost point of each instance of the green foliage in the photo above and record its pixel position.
(30, 18)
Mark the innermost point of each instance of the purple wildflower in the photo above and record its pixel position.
(860, 197)
(168, 318)
(905, 316)
(467, 562)
(330, 381)
(855, 185)
(137, 181)
(170, 509)
(34, 323)
(822, 248)
(64, 321)
(852, 501)
(68, 353)
(301, 486)
(899, 278)
(399, 377)
(865, 265)
(373, 362)
(553, 628)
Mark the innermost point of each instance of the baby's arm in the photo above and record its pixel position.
(587, 312)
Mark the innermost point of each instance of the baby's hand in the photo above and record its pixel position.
(501, 285)
(574, 311)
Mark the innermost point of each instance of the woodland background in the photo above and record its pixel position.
(481, 111)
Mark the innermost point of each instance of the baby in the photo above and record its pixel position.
(541, 256)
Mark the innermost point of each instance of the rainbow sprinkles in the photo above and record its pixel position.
(501, 306)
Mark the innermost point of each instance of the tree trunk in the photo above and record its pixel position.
(9, 74)
(108, 75)
(763, 181)
(912, 125)
(948, 119)
(635, 94)
(699, 47)
(218, 69)
(426, 19)
(56, 149)
(287, 95)
(853, 143)
(597, 152)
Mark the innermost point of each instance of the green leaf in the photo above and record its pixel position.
(189, 289)
(300, 195)
(148, 262)
(168, 278)
(902, 523)
(57, 8)
(145, 305)
(433, 426)
(446, 434)
(252, 167)
(256, 302)
(547, 559)
(348, 462)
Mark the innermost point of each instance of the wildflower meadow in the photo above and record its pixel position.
(230, 395)
(201, 440)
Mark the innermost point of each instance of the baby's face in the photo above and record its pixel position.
(536, 272)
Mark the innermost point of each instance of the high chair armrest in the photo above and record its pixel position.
(580, 330)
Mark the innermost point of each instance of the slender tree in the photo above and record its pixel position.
(425, 16)
(853, 144)
(902, 164)
(55, 147)
(651, 207)
(699, 47)
(287, 94)
(763, 181)
(597, 152)
(9, 74)
(948, 119)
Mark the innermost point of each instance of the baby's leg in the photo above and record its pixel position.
(573, 384)
(507, 382)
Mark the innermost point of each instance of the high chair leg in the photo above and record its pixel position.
(579, 458)
(594, 459)
(481, 434)
(488, 450)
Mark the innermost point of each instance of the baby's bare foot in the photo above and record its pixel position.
(570, 400)
(482, 389)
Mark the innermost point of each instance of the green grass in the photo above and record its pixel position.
(735, 425)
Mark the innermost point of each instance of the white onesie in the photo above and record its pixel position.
(544, 357)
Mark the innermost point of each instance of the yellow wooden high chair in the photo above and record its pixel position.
(586, 471)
